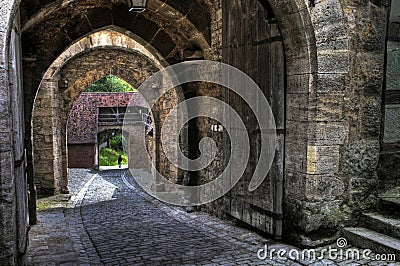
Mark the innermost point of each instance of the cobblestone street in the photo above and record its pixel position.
(109, 220)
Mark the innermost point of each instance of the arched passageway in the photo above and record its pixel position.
(58, 93)
(320, 63)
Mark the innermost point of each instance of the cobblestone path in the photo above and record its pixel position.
(128, 227)
(110, 221)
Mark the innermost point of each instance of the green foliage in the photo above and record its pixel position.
(114, 139)
(116, 142)
(109, 157)
(110, 83)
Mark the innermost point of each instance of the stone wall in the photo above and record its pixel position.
(362, 104)
(13, 193)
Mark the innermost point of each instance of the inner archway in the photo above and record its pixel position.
(63, 86)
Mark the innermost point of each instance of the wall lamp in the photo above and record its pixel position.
(137, 5)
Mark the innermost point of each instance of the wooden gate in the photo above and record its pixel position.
(252, 42)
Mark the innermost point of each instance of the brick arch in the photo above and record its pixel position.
(190, 18)
(130, 66)
(309, 47)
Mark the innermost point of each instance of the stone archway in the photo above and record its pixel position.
(304, 73)
(171, 32)
(78, 73)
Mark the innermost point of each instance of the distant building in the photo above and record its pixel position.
(92, 114)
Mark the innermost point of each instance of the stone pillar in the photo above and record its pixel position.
(47, 139)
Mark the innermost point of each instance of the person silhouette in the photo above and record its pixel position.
(119, 161)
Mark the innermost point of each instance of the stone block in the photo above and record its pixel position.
(371, 117)
(6, 176)
(368, 73)
(5, 125)
(6, 142)
(297, 106)
(310, 221)
(324, 187)
(44, 112)
(331, 83)
(339, 43)
(296, 155)
(333, 61)
(365, 186)
(298, 64)
(44, 167)
(324, 216)
(369, 34)
(323, 159)
(7, 232)
(295, 185)
(328, 133)
(327, 107)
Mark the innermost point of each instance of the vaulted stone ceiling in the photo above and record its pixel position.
(49, 27)
(170, 26)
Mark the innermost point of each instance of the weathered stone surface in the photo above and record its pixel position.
(333, 61)
(320, 187)
(360, 159)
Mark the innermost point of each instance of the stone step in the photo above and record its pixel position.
(381, 223)
(368, 239)
(389, 202)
